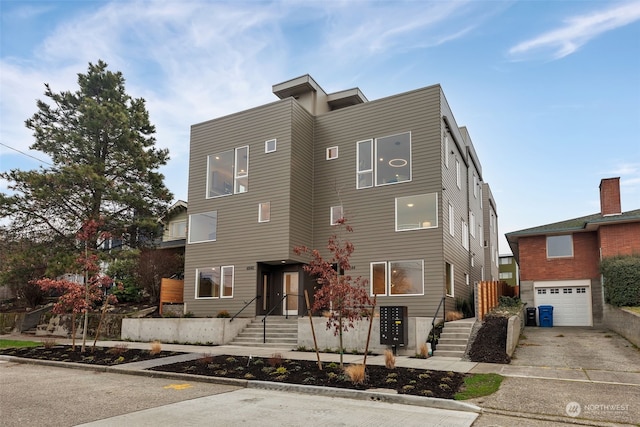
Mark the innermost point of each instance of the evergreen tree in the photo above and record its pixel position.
(105, 163)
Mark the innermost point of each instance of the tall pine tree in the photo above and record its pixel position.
(105, 165)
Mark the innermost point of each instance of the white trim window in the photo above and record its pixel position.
(472, 224)
(270, 145)
(560, 246)
(458, 174)
(449, 279)
(178, 229)
(336, 214)
(446, 151)
(364, 164)
(452, 225)
(466, 279)
(397, 278)
(465, 235)
(264, 212)
(332, 153)
(214, 282)
(475, 186)
(417, 212)
(203, 227)
(228, 172)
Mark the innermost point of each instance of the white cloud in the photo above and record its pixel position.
(579, 30)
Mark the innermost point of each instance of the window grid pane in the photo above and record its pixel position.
(406, 278)
(202, 227)
(417, 212)
(393, 159)
(227, 282)
(264, 212)
(378, 278)
(365, 164)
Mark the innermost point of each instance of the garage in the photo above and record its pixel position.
(571, 301)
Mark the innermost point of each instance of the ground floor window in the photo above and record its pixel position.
(397, 278)
(215, 282)
(449, 278)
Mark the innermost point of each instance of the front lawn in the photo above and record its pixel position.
(18, 344)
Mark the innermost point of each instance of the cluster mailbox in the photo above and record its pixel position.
(394, 327)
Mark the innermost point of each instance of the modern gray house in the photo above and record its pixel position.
(399, 169)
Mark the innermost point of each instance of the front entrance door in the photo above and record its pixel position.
(290, 288)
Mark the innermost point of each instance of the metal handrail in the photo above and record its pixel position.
(433, 322)
(246, 304)
(264, 319)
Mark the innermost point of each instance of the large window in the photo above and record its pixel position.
(214, 282)
(202, 227)
(416, 212)
(392, 163)
(560, 246)
(397, 278)
(228, 172)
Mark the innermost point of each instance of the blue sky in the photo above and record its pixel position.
(549, 90)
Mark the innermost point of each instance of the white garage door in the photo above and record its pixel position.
(571, 301)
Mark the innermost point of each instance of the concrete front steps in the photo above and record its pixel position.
(281, 332)
(454, 338)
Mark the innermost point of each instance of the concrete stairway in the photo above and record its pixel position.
(281, 332)
(454, 338)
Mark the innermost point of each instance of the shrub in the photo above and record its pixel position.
(205, 359)
(389, 359)
(223, 314)
(49, 343)
(621, 280)
(118, 349)
(156, 347)
(275, 360)
(423, 351)
(505, 301)
(453, 315)
(356, 373)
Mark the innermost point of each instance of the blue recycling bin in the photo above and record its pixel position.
(546, 316)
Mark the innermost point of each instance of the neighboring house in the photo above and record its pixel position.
(174, 227)
(268, 179)
(508, 270)
(560, 262)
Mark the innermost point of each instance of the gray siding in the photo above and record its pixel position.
(371, 211)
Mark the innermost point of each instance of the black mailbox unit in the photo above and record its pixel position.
(394, 327)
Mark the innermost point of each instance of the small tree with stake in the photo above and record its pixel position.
(344, 296)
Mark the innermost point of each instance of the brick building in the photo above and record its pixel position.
(560, 263)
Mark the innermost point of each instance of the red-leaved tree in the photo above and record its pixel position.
(344, 297)
(76, 297)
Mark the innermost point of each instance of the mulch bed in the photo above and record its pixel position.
(491, 341)
(103, 356)
(417, 382)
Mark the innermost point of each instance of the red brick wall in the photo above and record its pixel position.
(620, 239)
(585, 263)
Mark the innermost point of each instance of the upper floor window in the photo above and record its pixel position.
(475, 186)
(270, 146)
(178, 229)
(332, 153)
(506, 275)
(505, 260)
(458, 174)
(202, 227)
(392, 160)
(416, 212)
(336, 214)
(228, 172)
(446, 151)
(452, 226)
(472, 224)
(264, 212)
(465, 235)
(560, 246)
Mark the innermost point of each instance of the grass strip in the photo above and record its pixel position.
(478, 385)
(18, 344)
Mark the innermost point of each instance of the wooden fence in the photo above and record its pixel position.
(488, 294)
(171, 292)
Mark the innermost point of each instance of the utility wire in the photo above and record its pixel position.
(26, 154)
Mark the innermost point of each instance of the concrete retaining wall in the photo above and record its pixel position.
(514, 329)
(622, 322)
(356, 338)
(212, 331)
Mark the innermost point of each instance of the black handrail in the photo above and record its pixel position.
(246, 304)
(433, 322)
(264, 319)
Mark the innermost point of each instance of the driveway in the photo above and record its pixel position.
(576, 348)
(562, 375)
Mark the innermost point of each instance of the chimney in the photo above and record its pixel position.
(610, 196)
